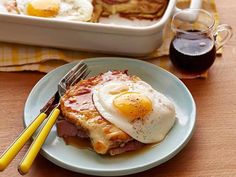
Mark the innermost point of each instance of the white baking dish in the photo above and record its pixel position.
(84, 36)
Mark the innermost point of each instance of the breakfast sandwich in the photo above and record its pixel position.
(132, 9)
(116, 112)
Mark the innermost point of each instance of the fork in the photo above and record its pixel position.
(78, 72)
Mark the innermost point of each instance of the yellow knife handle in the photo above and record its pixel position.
(19, 142)
(31, 154)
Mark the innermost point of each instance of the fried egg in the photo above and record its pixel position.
(136, 108)
(2, 6)
(78, 10)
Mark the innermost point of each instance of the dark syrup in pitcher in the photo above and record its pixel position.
(192, 52)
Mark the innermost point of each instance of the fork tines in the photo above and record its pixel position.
(80, 70)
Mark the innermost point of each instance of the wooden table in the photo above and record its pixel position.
(210, 152)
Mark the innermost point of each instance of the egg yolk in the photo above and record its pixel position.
(43, 8)
(133, 105)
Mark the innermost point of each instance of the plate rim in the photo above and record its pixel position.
(128, 170)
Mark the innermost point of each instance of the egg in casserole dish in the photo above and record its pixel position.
(86, 10)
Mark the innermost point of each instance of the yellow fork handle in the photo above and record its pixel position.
(31, 154)
(20, 141)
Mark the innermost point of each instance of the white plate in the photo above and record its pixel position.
(88, 162)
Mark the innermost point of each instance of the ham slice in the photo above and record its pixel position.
(67, 129)
(130, 146)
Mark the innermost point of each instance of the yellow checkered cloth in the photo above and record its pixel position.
(17, 57)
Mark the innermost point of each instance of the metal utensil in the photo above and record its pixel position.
(77, 73)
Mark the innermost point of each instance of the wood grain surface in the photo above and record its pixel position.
(210, 152)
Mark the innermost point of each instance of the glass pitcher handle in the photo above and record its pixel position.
(224, 32)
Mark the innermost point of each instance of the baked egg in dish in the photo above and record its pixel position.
(78, 10)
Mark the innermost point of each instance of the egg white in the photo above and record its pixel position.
(151, 129)
(77, 10)
(2, 6)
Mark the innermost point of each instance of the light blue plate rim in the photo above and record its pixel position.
(128, 170)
